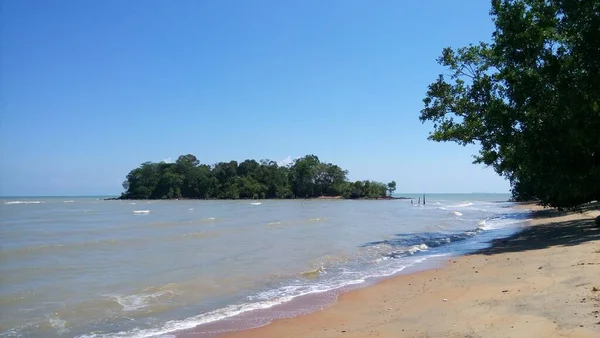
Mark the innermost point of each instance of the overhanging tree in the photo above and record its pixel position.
(530, 98)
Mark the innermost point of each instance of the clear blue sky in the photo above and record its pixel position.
(91, 89)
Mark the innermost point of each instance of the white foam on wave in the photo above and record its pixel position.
(256, 203)
(499, 223)
(23, 202)
(133, 303)
(417, 248)
(260, 301)
(69, 201)
(441, 208)
(141, 211)
(457, 213)
(191, 322)
(462, 205)
(60, 325)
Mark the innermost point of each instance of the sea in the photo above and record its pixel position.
(88, 267)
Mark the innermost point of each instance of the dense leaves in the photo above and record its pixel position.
(391, 187)
(306, 177)
(530, 99)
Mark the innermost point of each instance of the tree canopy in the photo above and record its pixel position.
(391, 187)
(306, 177)
(530, 98)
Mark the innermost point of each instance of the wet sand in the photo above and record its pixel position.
(542, 282)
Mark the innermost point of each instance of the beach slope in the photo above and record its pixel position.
(542, 282)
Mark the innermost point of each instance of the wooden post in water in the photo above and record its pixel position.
(423, 199)
(419, 200)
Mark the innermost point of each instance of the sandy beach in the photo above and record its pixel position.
(542, 282)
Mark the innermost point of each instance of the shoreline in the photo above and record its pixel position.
(508, 289)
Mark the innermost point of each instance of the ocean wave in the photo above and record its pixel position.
(132, 303)
(457, 213)
(191, 322)
(500, 222)
(60, 325)
(69, 201)
(416, 248)
(141, 212)
(404, 245)
(182, 223)
(22, 202)
(461, 205)
(312, 274)
(259, 301)
(256, 203)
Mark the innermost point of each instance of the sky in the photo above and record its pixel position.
(91, 89)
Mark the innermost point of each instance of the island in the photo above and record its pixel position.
(305, 177)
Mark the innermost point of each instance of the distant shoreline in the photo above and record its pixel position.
(387, 198)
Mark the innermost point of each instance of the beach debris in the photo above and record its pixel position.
(595, 289)
(504, 290)
(540, 268)
(445, 300)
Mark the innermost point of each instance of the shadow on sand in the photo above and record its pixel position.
(559, 233)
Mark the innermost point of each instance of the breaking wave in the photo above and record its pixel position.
(22, 202)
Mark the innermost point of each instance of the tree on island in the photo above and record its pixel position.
(391, 187)
(530, 98)
(306, 177)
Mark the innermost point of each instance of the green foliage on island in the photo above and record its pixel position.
(306, 177)
(530, 98)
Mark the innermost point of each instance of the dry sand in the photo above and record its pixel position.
(543, 282)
